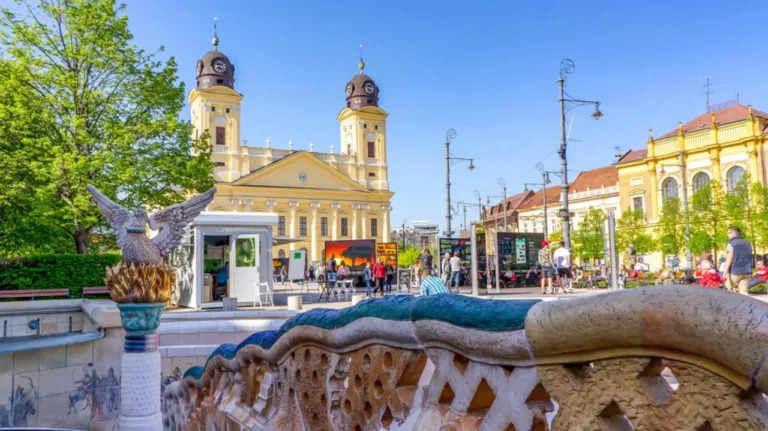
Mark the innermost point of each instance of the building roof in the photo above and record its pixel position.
(512, 203)
(633, 156)
(595, 179)
(537, 199)
(723, 116)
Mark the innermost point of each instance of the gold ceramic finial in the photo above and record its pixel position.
(714, 121)
(215, 39)
(680, 127)
(650, 135)
(361, 65)
(749, 110)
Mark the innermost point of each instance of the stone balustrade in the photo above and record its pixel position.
(671, 357)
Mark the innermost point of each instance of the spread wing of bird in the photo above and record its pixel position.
(171, 221)
(116, 215)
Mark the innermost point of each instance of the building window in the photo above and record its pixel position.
(376, 127)
(281, 254)
(669, 188)
(735, 174)
(344, 226)
(323, 226)
(221, 164)
(227, 110)
(371, 174)
(220, 138)
(303, 226)
(700, 180)
(281, 225)
(374, 227)
(637, 203)
(213, 109)
(371, 150)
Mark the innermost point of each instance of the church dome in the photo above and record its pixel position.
(215, 69)
(361, 90)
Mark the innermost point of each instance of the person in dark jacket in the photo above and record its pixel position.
(738, 262)
(426, 264)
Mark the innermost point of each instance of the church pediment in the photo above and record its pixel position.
(300, 170)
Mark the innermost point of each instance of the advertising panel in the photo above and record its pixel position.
(462, 246)
(387, 251)
(518, 251)
(354, 253)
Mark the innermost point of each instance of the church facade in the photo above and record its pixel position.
(318, 197)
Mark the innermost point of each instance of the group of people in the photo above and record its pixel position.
(557, 264)
(380, 275)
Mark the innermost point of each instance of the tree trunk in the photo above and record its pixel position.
(82, 240)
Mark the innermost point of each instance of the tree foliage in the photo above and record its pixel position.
(670, 234)
(588, 238)
(81, 104)
(408, 257)
(709, 219)
(632, 232)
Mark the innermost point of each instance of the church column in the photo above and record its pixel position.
(315, 251)
(754, 171)
(335, 222)
(354, 220)
(653, 209)
(364, 230)
(293, 223)
(386, 229)
(271, 206)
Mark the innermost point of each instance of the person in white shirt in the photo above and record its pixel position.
(455, 264)
(562, 259)
(445, 267)
(640, 266)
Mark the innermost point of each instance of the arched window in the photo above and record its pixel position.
(735, 174)
(669, 188)
(700, 180)
(281, 254)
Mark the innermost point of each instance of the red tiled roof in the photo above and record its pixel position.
(594, 179)
(724, 116)
(512, 203)
(633, 156)
(537, 199)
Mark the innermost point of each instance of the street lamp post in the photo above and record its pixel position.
(495, 243)
(465, 205)
(479, 206)
(503, 185)
(686, 214)
(567, 67)
(402, 232)
(449, 135)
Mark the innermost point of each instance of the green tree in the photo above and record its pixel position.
(709, 219)
(760, 199)
(588, 238)
(81, 104)
(670, 235)
(408, 257)
(742, 207)
(632, 232)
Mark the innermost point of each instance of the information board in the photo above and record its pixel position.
(387, 251)
(518, 251)
(297, 264)
(460, 246)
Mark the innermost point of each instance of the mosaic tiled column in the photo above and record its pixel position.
(140, 386)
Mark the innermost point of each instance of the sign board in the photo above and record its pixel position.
(518, 251)
(296, 264)
(354, 253)
(460, 246)
(482, 257)
(387, 251)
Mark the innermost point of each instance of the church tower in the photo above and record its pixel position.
(215, 109)
(362, 126)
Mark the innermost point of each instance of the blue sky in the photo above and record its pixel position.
(486, 69)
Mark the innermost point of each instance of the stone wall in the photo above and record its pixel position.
(64, 374)
(679, 357)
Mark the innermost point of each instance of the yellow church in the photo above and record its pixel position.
(318, 197)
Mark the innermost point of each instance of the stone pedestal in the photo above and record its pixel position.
(140, 385)
(294, 302)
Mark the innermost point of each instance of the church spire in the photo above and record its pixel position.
(215, 39)
(361, 64)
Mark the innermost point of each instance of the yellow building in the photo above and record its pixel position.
(721, 145)
(317, 196)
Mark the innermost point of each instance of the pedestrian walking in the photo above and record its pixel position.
(390, 276)
(455, 264)
(545, 260)
(562, 259)
(445, 267)
(738, 262)
(379, 275)
(367, 279)
(426, 263)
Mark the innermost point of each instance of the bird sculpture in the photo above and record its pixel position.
(130, 226)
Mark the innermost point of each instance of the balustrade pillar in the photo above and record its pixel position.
(293, 223)
(313, 233)
(335, 224)
(140, 365)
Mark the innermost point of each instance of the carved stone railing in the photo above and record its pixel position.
(658, 358)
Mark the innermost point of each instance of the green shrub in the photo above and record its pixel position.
(602, 284)
(56, 271)
(633, 284)
(759, 289)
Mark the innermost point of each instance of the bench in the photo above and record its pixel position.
(34, 293)
(99, 290)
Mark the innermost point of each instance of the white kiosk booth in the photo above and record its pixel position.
(224, 255)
